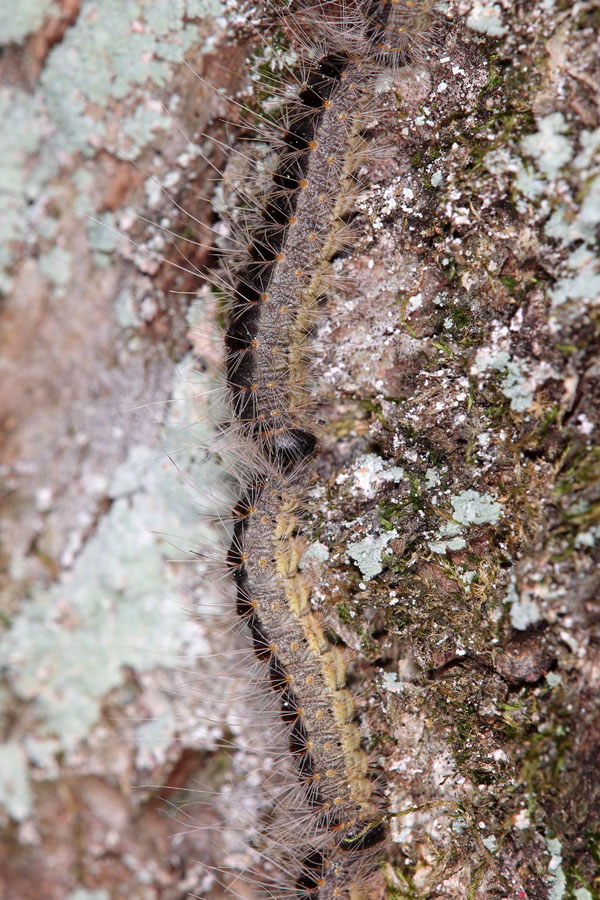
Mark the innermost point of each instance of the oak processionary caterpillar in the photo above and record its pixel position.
(332, 820)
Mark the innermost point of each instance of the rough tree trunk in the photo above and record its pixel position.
(459, 520)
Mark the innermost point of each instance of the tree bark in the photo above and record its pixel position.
(456, 498)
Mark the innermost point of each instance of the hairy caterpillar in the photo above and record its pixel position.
(291, 231)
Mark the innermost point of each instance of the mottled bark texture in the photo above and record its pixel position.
(456, 509)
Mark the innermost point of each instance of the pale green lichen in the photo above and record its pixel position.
(69, 645)
(528, 184)
(155, 736)
(56, 265)
(575, 218)
(523, 611)
(103, 237)
(490, 843)
(115, 46)
(473, 508)
(316, 551)
(457, 543)
(467, 579)
(84, 894)
(139, 129)
(514, 387)
(517, 383)
(567, 226)
(449, 538)
(556, 876)
(584, 285)
(367, 553)
(20, 137)
(432, 478)
(113, 51)
(548, 145)
(15, 793)
(23, 17)
(528, 181)
(125, 309)
(44, 754)
(391, 682)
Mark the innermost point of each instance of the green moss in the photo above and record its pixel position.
(376, 410)
(399, 884)
(584, 469)
(460, 315)
(344, 614)
(389, 514)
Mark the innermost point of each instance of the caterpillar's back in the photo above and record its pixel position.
(332, 824)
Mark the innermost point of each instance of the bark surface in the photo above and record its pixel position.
(457, 503)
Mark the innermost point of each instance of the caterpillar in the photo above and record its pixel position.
(291, 231)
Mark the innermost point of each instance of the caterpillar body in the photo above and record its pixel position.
(295, 229)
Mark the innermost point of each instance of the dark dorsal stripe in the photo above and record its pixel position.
(286, 446)
(268, 238)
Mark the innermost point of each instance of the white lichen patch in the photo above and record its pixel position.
(567, 207)
(574, 212)
(369, 473)
(490, 843)
(519, 381)
(116, 52)
(85, 894)
(70, 644)
(57, 266)
(432, 478)
(583, 284)
(486, 18)
(17, 20)
(15, 792)
(549, 146)
(106, 54)
(556, 876)
(390, 681)
(589, 537)
(524, 611)
(154, 738)
(317, 551)
(367, 553)
(20, 137)
(442, 546)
